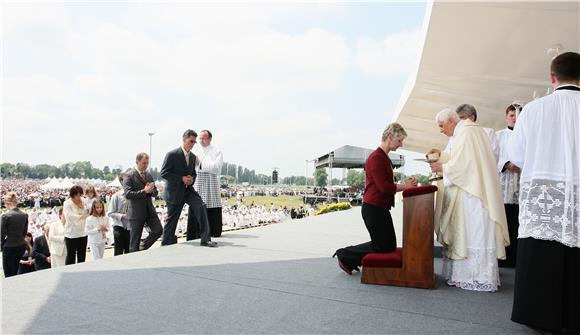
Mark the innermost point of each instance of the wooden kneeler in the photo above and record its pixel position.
(412, 265)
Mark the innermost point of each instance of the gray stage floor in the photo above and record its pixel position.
(272, 279)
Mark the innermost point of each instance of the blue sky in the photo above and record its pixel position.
(276, 83)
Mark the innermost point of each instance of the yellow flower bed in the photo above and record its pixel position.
(333, 208)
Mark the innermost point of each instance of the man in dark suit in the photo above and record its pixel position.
(139, 187)
(179, 172)
(40, 251)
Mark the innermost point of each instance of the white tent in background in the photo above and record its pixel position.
(66, 183)
(115, 183)
(53, 184)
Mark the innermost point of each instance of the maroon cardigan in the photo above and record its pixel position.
(380, 187)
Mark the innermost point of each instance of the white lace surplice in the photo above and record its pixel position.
(546, 144)
(510, 181)
(479, 272)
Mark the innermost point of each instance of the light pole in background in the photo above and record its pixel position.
(150, 146)
(306, 181)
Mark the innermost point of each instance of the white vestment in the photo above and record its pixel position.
(207, 183)
(471, 224)
(510, 181)
(493, 141)
(545, 143)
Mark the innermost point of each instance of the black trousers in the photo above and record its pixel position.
(76, 250)
(214, 218)
(11, 259)
(192, 226)
(153, 227)
(196, 209)
(547, 286)
(383, 239)
(122, 237)
(511, 212)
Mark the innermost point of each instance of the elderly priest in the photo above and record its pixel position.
(470, 220)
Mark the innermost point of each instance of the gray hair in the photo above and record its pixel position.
(395, 130)
(467, 109)
(446, 114)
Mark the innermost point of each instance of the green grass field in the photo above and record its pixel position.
(290, 201)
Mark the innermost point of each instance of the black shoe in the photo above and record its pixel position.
(210, 244)
(344, 267)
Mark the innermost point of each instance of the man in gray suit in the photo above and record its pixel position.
(179, 172)
(139, 187)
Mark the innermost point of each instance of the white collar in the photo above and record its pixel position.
(564, 85)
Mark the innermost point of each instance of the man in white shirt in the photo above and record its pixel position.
(545, 143)
(467, 111)
(509, 177)
(207, 183)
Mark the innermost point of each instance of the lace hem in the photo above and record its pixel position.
(479, 272)
(550, 210)
(482, 287)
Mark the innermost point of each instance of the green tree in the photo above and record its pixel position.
(300, 180)
(422, 179)
(43, 171)
(23, 170)
(7, 170)
(399, 176)
(355, 178)
(321, 177)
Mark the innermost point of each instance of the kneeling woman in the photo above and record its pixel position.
(378, 199)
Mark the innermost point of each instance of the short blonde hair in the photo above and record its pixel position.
(11, 198)
(395, 130)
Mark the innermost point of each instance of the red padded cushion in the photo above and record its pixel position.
(391, 260)
(410, 192)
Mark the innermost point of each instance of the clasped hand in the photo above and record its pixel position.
(187, 180)
(512, 167)
(149, 187)
(436, 167)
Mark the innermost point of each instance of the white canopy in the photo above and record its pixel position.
(487, 54)
(66, 183)
(115, 183)
(53, 184)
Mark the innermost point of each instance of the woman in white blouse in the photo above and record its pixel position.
(96, 228)
(56, 242)
(75, 236)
